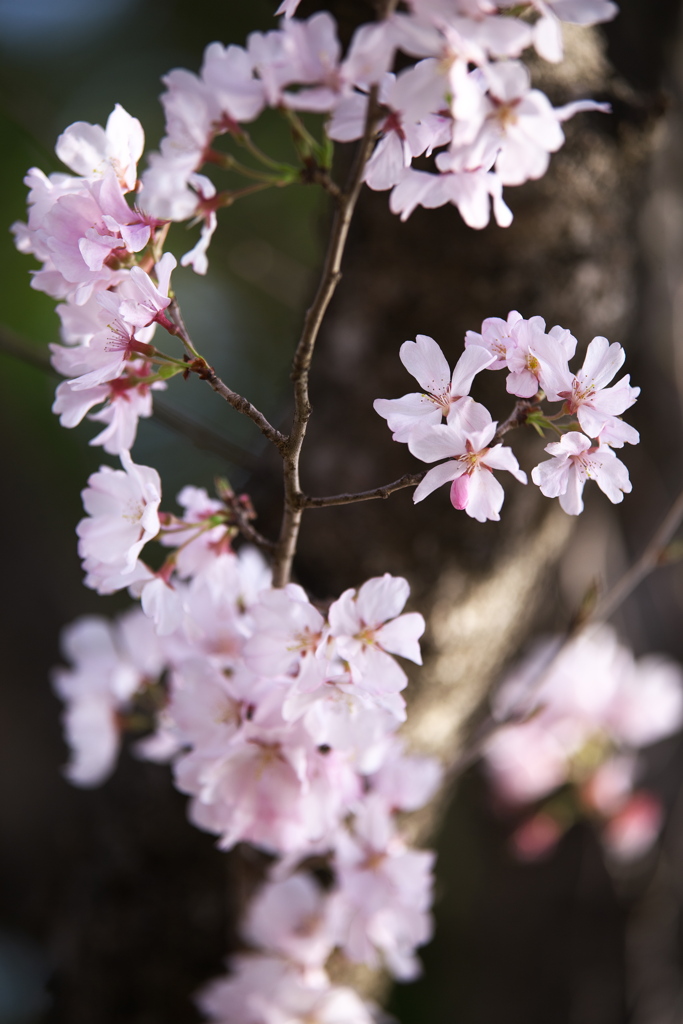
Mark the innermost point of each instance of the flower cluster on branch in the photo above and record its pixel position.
(281, 717)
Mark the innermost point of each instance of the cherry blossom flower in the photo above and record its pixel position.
(590, 706)
(265, 990)
(588, 398)
(291, 918)
(122, 506)
(519, 128)
(575, 460)
(442, 394)
(109, 664)
(288, 8)
(634, 829)
(381, 905)
(496, 337)
(368, 628)
(141, 302)
(533, 349)
(89, 150)
(289, 633)
(472, 191)
(471, 462)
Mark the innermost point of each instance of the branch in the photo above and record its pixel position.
(197, 364)
(408, 480)
(201, 436)
(207, 373)
(330, 277)
(517, 417)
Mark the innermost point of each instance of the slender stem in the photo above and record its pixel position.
(408, 480)
(243, 138)
(207, 373)
(331, 274)
(197, 364)
(517, 417)
(228, 162)
(303, 140)
(250, 533)
(228, 197)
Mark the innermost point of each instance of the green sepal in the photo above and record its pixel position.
(539, 422)
(165, 372)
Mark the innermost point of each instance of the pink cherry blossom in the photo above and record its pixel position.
(381, 905)
(368, 628)
(442, 393)
(288, 635)
(89, 150)
(109, 664)
(496, 337)
(634, 829)
(532, 352)
(122, 507)
(587, 396)
(575, 460)
(291, 918)
(471, 462)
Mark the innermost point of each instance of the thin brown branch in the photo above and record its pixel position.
(197, 364)
(238, 402)
(241, 514)
(408, 480)
(330, 277)
(250, 532)
(517, 417)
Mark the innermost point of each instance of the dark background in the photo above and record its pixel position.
(113, 908)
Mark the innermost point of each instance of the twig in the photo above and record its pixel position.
(201, 436)
(330, 277)
(250, 532)
(517, 417)
(408, 480)
(238, 402)
(197, 364)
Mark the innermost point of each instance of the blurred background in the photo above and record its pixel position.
(112, 908)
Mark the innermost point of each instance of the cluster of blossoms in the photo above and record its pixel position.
(538, 368)
(281, 724)
(580, 715)
(281, 718)
(98, 257)
(468, 102)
